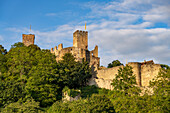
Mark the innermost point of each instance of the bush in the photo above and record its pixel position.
(95, 104)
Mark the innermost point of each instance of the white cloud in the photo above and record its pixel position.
(134, 45)
(158, 14)
(130, 11)
(1, 38)
(119, 36)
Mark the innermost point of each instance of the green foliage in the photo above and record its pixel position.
(88, 91)
(165, 66)
(2, 50)
(161, 87)
(18, 44)
(73, 74)
(30, 72)
(10, 91)
(114, 64)
(29, 106)
(161, 83)
(157, 102)
(31, 78)
(95, 104)
(71, 92)
(125, 81)
(35, 72)
(3, 66)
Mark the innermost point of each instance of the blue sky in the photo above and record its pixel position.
(135, 30)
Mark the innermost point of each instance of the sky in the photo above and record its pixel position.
(127, 30)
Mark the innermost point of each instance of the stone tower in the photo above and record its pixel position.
(80, 39)
(28, 39)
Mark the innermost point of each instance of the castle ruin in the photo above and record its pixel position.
(79, 50)
(144, 71)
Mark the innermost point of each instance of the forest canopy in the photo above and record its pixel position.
(32, 81)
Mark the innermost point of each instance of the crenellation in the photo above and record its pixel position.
(60, 47)
(80, 39)
(55, 48)
(95, 51)
(52, 50)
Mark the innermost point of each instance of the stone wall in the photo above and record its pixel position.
(136, 66)
(28, 39)
(149, 72)
(101, 83)
(144, 72)
(108, 73)
(78, 53)
(103, 78)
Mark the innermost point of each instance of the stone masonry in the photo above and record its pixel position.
(144, 71)
(79, 50)
(28, 39)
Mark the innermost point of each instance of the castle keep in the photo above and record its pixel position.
(79, 50)
(28, 39)
(144, 71)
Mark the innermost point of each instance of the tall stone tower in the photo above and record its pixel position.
(28, 39)
(80, 39)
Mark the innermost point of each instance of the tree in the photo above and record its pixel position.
(125, 81)
(2, 50)
(95, 104)
(165, 66)
(30, 72)
(114, 64)
(28, 106)
(73, 74)
(43, 82)
(161, 90)
(3, 60)
(18, 44)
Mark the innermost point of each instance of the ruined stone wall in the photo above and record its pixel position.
(95, 51)
(28, 39)
(79, 50)
(94, 62)
(144, 74)
(148, 72)
(66, 97)
(103, 78)
(101, 83)
(78, 53)
(136, 67)
(108, 73)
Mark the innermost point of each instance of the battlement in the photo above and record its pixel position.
(28, 39)
(81, 32)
